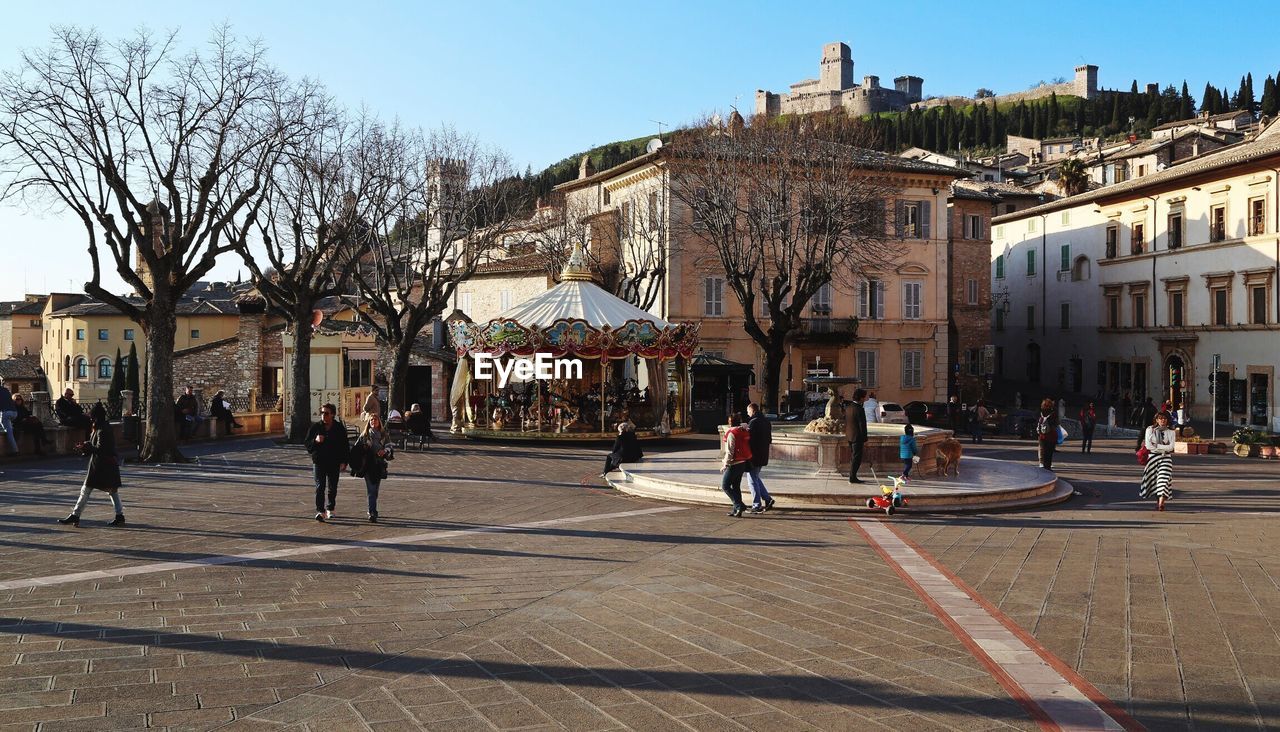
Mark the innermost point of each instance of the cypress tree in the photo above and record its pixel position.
(1186, 105)
(1055, 113)
(1078, 124)
(131, 379)
(1269, 104)
(1206, 101)
(117, 383)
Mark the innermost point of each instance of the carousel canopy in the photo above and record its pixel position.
(576, 317)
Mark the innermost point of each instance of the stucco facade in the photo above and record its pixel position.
(1135, 287)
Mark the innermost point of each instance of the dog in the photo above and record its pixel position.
(948, 455)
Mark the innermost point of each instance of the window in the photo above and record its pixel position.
(973, 359)
(912, 369)
(504, 300)
(624, 220)
(1031, 224)
(999, 232)
(1064, 316)
(1176, 307)
(195, 333)
(1258, 304)
(999, 266)
(1139, 311)
(104, 334)
(975, 226)
(1113, 240)
(1218, 222)
(911, 227)
(1066, 218)
(713, 293)
(1000, 320)
(104, 368)
(821, 303)
(868, 372)
(607, 198)
(971, 291)
(1257, 216)
(1142, 170)
(34, 323)
(1175, 230)
(1031, 317)
(653, 210)
(1220, 303)
(911, 292)
(128, 334)
(701, 202)
(1137, 239)
(356, 372)
(1031, 263)
(79, 334)
(1113, 312)
(1064, 259)
(871, 299)
(82, 368)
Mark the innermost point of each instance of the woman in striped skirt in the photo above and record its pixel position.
(1157, 476)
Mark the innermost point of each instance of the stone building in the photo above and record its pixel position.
(1142, 282)
(20, 329)
(890, 327)
(969, 291)
(834, 89)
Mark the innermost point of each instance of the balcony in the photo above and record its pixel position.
(827, 330)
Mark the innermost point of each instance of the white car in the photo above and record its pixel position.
(892, 413)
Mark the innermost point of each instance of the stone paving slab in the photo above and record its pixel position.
(669, 620)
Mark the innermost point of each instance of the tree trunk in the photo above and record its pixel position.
(160, 438)
(773, 358)
(398, 386)
(300, 416)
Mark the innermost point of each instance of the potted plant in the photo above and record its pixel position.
(1246, 442)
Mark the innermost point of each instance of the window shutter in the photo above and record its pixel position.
(899, 216)
(926, 218)
(862, 298)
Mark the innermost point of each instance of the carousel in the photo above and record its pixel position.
(632, 367)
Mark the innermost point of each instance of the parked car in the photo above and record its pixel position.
(995, 414)
(932, 414)
(1020, 422)
(892, 413)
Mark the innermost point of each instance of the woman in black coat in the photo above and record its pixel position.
(626, 448)
(104, 468)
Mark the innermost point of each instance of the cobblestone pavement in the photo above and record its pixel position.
(505, 588)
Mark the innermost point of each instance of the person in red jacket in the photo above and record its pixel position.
(737, 459)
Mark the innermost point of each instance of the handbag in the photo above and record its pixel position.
(1143, 455)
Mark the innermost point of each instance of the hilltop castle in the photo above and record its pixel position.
(834, 89)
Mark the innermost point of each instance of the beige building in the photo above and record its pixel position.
(20, 328)
(888, 326)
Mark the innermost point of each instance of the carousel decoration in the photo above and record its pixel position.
(640, 372)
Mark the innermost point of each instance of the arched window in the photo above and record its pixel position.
(104, 368)
(82, 368)
(1080, 269)
(66, 367)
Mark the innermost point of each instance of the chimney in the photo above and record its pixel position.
(584, 167)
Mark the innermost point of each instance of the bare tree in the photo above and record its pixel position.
(782, 209)
(326, 199)
(161, 154)
(457, 209)
(629, 244)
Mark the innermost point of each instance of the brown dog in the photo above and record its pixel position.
(948, 455)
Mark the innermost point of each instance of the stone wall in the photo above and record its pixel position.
(969, 325)
(231, 364)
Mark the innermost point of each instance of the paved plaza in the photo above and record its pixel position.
(508, 588)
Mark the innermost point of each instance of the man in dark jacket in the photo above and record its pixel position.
(329, 448)
(761, 436)
(70, 414)
(187, 413)
(8, 413)
(626, 448)
(855, 431)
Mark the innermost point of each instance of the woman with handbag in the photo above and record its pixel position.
(1157, 474)
(104, 468)
(369, 460)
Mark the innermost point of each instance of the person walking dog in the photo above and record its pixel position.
(1157, 474)
(369, 459)
(104, 468)
(327, 443)
(737, 459)
(761, 436)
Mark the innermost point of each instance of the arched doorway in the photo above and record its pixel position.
(1175, 381)
(1033, 363)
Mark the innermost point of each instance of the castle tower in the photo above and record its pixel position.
(911, 86)
(1086, 82)
(836, 72)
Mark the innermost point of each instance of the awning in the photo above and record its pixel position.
(362, 354)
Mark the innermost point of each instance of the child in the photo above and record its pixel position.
(907, 450)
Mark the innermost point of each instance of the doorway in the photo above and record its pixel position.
(1259, 405)
(418, 389)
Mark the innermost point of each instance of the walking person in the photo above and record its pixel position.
(1157, 474)
(761, 436)
(1088, 423)
(1047, 433)
(855, 431)
(327, 443)
(104, 468)
(872, 408)
(977, 416)
(369, 459)
(955, 415)
(737, 458)
(626, 448)
(908, 450)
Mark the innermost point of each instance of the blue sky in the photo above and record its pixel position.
(545, 80)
